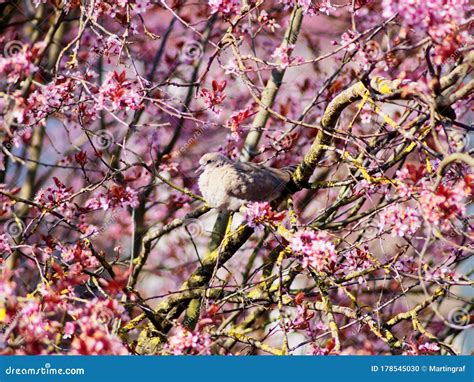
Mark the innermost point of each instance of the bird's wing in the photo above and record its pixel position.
(257, 183)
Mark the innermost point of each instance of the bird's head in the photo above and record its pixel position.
(211, 160)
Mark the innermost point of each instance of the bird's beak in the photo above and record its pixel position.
(199, 170)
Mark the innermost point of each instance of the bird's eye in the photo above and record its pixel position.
(209, 161)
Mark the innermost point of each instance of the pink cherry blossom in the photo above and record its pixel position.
(116, 197)
(259, 214)
(5, 247)
(107, 245)
(214, 97)
(440, 19)
(225, 6)
(117, 93)
(314, 249)
(284, 56)
(401, 220)
(185, 341)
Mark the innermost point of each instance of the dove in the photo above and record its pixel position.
(227, 185)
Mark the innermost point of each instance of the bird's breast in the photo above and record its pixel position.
(212, 188)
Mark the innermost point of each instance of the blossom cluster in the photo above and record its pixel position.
(401, 220)
(107, 107)
(259, 214)
(439, 207)
(20, 64)
(52, 317)
(440, 19)
(215, 96)
(315, 249)
(283, 55)
(116, 197)
(117, 93)
(185, 341)
(227, 7)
